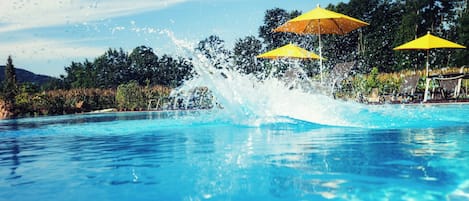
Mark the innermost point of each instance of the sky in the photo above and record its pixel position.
(44, 36)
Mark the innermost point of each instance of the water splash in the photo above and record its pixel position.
(247, 100)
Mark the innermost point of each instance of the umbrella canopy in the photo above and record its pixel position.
(289, 51)
(428, 42)
(321, 21)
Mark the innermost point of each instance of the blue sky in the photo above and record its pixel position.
(44, 36)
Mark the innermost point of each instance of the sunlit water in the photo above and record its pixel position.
(200, 156)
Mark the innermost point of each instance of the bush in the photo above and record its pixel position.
(63, 101)
(130, 96)
(84, 100)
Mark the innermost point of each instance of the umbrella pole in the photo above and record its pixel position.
(320, 50)
(428, 63)
(427, 80)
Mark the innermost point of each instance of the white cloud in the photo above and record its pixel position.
(43, 48)
(19, 15)
(48, 56)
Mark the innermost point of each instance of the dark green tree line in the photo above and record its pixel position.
(116, 67)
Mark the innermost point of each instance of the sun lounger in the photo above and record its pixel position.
(407, 89)
(339, 73)
(449, 86)
(374, 97)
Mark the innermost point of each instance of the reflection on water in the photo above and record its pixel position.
(14, 150)
(382, 158)
(26, 123)
(183, 159)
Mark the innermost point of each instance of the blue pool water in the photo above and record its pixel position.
(386, 153)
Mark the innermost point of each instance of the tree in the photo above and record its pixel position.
(274, 18)
(462, 31)
(172, 72)
(380, 36)
(213, 48)
(406, 31)
(351, 46)
(10, 86)
(80, 75)
(74, 75)
(143, 65)
(112, 68)
(245, 52)
(184, 70)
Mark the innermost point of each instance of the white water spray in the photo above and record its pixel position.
(249, 101)
(246, 100)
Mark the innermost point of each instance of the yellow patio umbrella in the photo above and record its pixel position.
(321, 21)
(428, 42)
(289, 51)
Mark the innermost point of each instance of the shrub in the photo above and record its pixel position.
(130, 96)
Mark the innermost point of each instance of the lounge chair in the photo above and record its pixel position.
(374, 97)
(449, 87)
(408, 88)
(339, 73)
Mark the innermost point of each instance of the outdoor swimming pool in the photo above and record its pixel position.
(201, 155)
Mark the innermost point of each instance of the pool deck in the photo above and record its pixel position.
(429, 102)
(446, 102)
(387, 100)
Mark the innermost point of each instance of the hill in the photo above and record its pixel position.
(26, 76)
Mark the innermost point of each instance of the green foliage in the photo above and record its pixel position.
(144, 65)
(55, 102)
(213, 48)
(386, 83)
(372, 80)
(352, 46)
(28, 87)
(274, 18)
(172, 72)
(112, 68)
(463, 34)
(130, 96)
(38, 104)
(80, 75)
(10, 88)
(116, 67)
(245, 52)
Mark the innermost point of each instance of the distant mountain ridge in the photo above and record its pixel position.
(26, 76)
